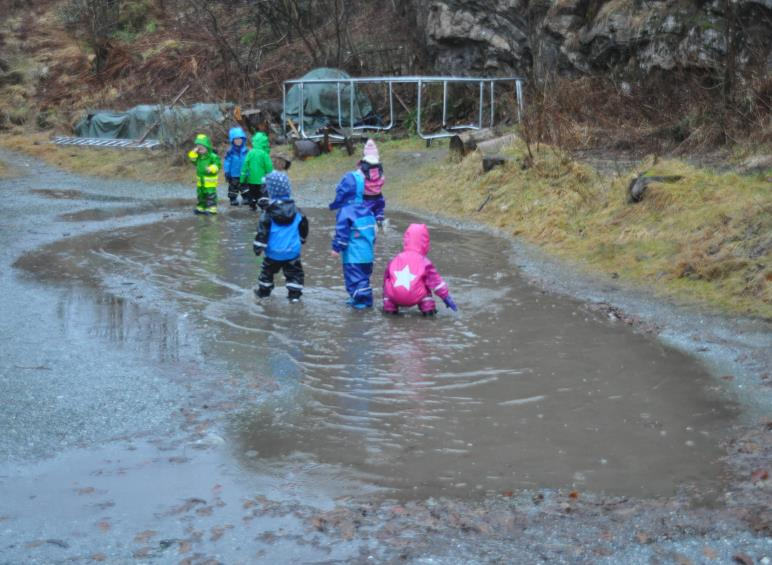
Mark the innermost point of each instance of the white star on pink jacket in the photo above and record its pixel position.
(404, 277)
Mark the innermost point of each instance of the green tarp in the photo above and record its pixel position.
(176, 124)
(320, 101)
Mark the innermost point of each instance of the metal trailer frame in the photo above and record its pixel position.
(420, 82)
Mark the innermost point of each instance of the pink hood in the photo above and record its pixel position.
(410, 277)
(416, 239)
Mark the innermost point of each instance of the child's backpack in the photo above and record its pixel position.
(373, 177)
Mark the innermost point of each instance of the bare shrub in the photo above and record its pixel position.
(94, 20)
(236, 32)
(677, 111)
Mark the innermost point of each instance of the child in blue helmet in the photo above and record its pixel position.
(234, 159)
(281, 231)
(354, 238)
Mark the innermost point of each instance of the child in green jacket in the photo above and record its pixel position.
(256, 165)
(207, 164)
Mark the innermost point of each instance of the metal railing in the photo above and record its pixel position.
(420, 82)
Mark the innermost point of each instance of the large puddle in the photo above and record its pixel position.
(518, 390)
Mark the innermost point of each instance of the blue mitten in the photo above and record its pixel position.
(448, 300)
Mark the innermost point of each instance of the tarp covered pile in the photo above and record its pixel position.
(175, 124)
(320, 101)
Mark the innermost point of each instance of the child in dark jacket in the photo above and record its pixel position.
(372, 170)
(281, 231)
(354, 238)
(234, 159)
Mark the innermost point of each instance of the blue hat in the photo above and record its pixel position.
(278, 186)
(236, 133)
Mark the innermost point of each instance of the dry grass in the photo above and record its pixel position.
(331, 166)
(143, 166)
(164, 166)
(707, 238)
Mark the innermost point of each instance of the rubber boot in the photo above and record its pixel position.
(233, 193)
(293, 296)
(262, 292)
(211, 203)
(201, 201)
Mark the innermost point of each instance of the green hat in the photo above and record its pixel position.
(202, 139)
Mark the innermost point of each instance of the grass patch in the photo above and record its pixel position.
(156, 165)
(333, 165)
(706, 238)
(166, 166)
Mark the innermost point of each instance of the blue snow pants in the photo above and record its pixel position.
(357, 279)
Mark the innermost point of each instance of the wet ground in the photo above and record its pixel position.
(156, 412)
(518, 390)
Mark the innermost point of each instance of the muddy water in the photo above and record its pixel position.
(518, 390)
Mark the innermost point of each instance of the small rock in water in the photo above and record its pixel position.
(251, 454)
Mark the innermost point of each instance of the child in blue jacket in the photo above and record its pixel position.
(281, 231)
(234, 159)
(354, 238)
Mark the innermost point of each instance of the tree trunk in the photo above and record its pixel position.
(305, 148)
(464, 143)
(493, 146)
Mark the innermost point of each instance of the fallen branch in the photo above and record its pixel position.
(487, 199)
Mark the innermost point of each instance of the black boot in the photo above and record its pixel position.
(294, 296)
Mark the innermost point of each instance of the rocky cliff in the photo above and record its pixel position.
(576, 37)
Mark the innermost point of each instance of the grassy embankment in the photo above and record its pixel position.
(139, 165)
(705, 239)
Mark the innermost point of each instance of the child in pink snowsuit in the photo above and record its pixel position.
(372, 169)
(410, 277)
